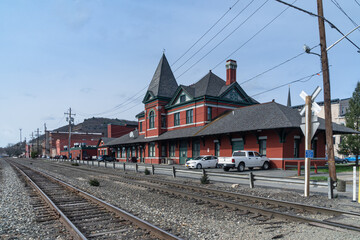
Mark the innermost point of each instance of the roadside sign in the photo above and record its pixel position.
(309, 153)
(314, 127)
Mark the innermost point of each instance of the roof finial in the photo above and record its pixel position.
(163, 50)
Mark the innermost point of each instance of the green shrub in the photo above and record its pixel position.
(205, 179)
(75, 164)
(147, 171)
(34, 154)
(94, 182)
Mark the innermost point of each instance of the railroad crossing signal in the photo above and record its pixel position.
(309, 128)
(315, 108)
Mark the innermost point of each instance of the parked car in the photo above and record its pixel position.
(341, 160)
(202, 162)
(106, 158)
(244, 159)
(351, 158)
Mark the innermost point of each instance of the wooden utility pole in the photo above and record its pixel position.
(308, 124)
(327, 94)
(70, 119)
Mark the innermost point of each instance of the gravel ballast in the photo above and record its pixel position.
(17, 218)
(195, 220)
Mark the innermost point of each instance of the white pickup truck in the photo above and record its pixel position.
(244, 159)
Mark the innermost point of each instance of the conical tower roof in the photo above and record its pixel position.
(163, 83)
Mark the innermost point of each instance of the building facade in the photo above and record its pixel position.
(212, 117)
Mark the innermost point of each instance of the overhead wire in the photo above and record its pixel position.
(223, 39)
(206, 32)
(236, 16)
(342, 10)
(357, 2)
(294, 81)
(276, 66)
(315, 15)
(258, 32)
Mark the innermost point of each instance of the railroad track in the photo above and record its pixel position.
(266, 207)
(84, 215)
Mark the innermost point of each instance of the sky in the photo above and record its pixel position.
(98, 57)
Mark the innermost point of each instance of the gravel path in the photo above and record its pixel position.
(17, 218)
(193, 220)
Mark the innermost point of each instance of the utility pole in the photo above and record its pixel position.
(20, 134)
(38, 140)
(70, 119)
(32, 142)
(45, 140)
(327, 94)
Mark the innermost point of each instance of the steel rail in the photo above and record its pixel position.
(299, 206)
(252, 209)
(74, 231)
(158, 232)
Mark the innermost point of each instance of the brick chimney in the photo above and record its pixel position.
(230, 71)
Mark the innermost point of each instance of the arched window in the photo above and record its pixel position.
(151, 119)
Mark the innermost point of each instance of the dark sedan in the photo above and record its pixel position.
(106, 158)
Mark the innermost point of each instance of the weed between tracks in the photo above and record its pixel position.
(94, 182)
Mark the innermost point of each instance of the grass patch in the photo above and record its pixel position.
(94, 182)
(75, 164)
(339, 168)
(319, 178)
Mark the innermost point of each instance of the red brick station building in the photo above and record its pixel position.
(213, 117)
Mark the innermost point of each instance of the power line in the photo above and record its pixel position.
(252, 36)
(315, 15)
(276, 66)
(342, 10)
(223, 39)
(117, 106)
(206, 32)
(357, 2)
(294, 81)
(217, 34)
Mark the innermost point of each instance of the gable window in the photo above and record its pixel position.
(152, 119)
(182, 98)
(209, 113)
(140, 126)
(151, 149)
(189, 116)
(163, 121)
(176, 119)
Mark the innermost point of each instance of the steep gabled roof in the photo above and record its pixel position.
(209, 85)
(163, 83)
(261, 117)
